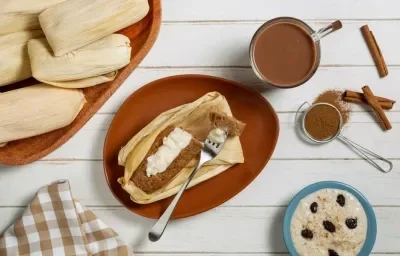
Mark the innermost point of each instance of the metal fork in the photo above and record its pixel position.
(209, 151)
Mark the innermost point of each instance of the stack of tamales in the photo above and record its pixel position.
(64, 44)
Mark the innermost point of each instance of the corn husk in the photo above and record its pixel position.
(76, 23)
(37, 109)
(14, 58)
(193, 118)
(92, 64)
(22, 15)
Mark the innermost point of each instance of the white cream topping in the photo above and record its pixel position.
(344, 241)
(173, 144)
(217, 135)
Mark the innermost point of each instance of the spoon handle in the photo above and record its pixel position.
(326, 30)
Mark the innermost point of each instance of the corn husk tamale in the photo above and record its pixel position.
(37, 109)
(14, 58)
(92, 64)
(76, 23)
(194, 118)
(22, 15)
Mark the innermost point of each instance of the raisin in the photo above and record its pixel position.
(351, 223)
(307, 234)
(332, 253)
(314, 207)
(329, 226)
(341, 200)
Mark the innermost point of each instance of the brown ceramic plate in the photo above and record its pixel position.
(142, 35)
(258, 139)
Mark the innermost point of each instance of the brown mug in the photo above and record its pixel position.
(285, 52)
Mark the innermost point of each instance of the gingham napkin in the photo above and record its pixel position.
(55, 224)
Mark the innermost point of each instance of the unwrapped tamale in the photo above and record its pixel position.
(193, 117)
(92, 64)
(14, 59)
(37, 109)
(76, 23)
(22, 15)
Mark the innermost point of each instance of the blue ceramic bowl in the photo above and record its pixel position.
(372, 229)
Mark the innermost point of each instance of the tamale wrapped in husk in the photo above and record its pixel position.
(194, 118)
(14, 59)
(22, 15)
(76, 23)
(92, 64)
(37, 109)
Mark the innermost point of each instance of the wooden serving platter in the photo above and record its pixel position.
(142, 35)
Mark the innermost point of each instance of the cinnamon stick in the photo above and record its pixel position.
(351, 96)
(360, 95)
(375, 51)
(370, 98)
(384, 105)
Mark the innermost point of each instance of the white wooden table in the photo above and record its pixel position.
(212, 37)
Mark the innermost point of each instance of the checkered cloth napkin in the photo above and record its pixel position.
(55, 224)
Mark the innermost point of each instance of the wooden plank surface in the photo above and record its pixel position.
(236, 254)
(89, 186)
(227, 44)
(232, 229)
(242, 10)
(212, 37)
(87, 144)
(352, 78)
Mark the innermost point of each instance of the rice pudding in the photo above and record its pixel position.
(329, 222)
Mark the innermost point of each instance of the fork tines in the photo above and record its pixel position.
(211, 143)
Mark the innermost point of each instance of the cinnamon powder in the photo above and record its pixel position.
(334, 97)
(322, 122)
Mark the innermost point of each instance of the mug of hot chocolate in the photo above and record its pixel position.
(285, 52)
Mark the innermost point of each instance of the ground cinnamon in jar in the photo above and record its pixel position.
(322, 122)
